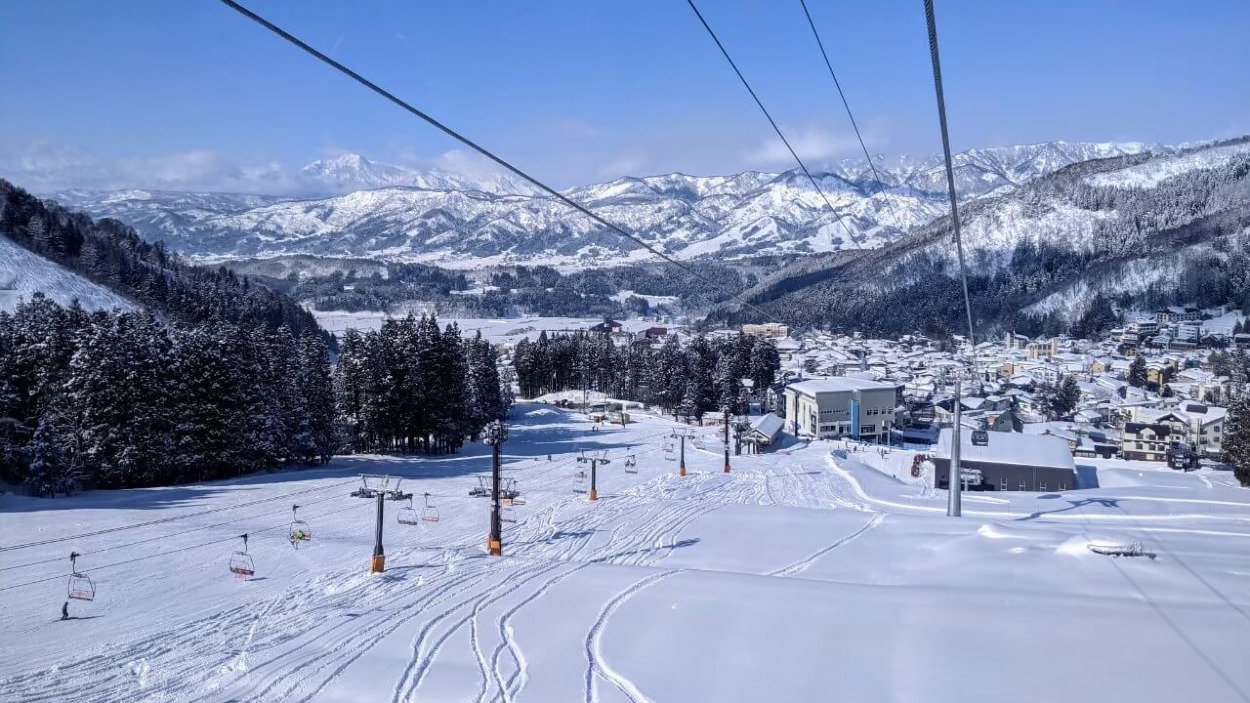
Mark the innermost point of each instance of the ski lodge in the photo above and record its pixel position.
(841, 407)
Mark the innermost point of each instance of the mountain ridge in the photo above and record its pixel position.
(446, 222)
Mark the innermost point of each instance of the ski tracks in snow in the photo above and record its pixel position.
(596, 664)
(804, 564)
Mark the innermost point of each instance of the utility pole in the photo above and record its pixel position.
(594, 474)
(955, 478)
(496, 433)
(378, 487)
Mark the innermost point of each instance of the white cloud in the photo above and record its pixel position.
(628, 165)
(812, 144)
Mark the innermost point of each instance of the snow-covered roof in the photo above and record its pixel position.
(768, 425)
(838, 384)
(1011, 448)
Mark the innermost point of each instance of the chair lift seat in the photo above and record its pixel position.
(81, 587)
(241, 564)
(407, 516)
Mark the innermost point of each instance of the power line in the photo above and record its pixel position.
(847, 105)
(409, 108)
(771, 121)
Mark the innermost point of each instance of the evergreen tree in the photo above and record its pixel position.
(1137, 372)
(1236, 445)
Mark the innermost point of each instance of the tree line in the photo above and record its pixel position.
(410, 387)
(123, 400)
(119, 400)
(703, 376)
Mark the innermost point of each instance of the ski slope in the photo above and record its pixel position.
(802, 575)
(24, 273)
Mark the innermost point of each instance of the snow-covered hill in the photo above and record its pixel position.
(23, 273)
(405, 215)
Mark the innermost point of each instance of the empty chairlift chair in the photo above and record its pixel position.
(241, 563)
(300, 531)
(631, 464)
(80, 585)
(669, 453)
(408, 515)
(429, 513)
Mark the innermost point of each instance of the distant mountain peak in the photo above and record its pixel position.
(350, 172)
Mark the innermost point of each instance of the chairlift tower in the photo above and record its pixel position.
(681, 436)
(379, 487)
(594, 462)
(496, 434)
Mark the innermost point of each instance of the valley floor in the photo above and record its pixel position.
(805, 575)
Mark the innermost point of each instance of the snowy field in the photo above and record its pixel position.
(496, 331)
(803, 576)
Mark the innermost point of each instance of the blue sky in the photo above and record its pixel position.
(158, 92)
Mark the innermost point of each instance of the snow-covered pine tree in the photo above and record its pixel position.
(1236, 445)
(1137, 372)
(317, 393)
(668, 380)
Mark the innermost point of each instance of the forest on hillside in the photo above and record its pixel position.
(520, 290)
(113, 255)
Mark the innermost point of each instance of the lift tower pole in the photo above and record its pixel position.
(594, 472)
(496, 433)
(379, 487)
(726, 439)
(681, 437)
(955, 480)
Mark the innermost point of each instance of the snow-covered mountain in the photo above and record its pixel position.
(400, 214)
(1171, 227)
(352, 172)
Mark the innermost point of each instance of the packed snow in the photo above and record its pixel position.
(803, 574)
(24, 273)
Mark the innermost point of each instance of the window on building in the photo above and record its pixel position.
(1002, 483)
(1041, 485)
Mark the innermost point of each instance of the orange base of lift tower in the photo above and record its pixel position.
(495, 547)
(681, 471)
(594, 495)
(726, 468)
(377, 564)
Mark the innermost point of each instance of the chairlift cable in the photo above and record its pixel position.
(96, 569)
(931, 21)
(157, 538)
(149, 523)
(771, 121)
(847, 105)
(445, 129)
